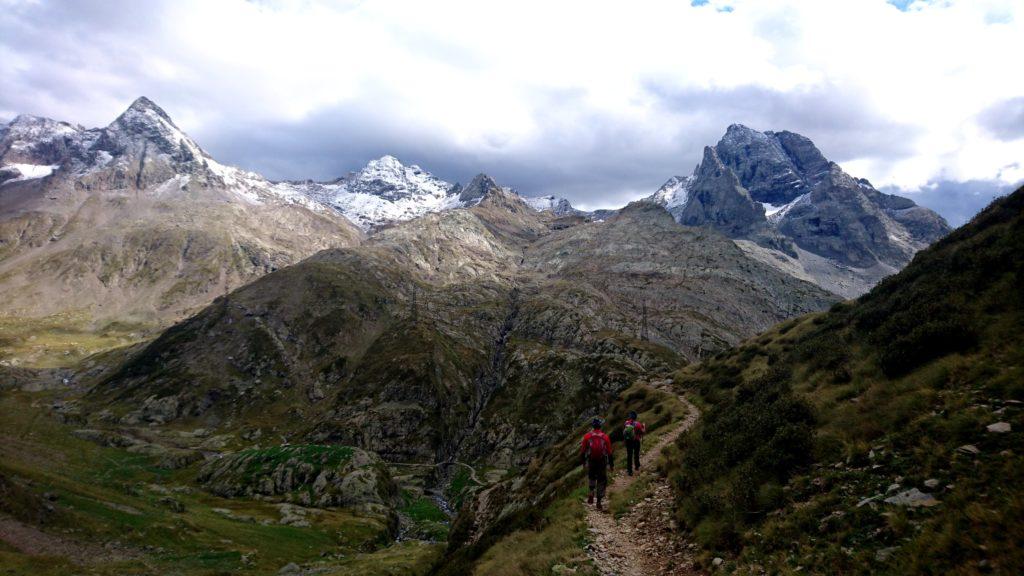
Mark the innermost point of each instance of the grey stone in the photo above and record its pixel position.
(883, 554)
(913, 498)
(999, 427)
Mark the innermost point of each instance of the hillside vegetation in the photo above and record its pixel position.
(882, 436)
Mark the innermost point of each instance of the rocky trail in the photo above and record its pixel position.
(643, 542)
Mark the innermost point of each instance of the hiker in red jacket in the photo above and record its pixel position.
(632, 432)
(596, 450)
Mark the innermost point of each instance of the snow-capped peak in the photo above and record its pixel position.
(386, 177)
(145, 121)
(385, 190)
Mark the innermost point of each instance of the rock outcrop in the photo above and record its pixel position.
(319, 476)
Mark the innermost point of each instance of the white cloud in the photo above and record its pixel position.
(506, 84)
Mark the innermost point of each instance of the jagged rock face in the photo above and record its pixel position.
(480, 186)
(136, 223)
(481, 333)
(775, 168)
(841, 223)
(788, 206)
(717, 198)
(31, 140)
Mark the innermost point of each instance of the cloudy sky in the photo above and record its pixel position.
(598, 102)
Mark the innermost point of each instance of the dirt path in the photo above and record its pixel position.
(644, 542)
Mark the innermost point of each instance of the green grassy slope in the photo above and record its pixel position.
(70, 506)
(814, 424)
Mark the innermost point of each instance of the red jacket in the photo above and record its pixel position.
(599, 436)
(638, 426)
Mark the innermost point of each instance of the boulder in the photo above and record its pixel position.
(913, 498)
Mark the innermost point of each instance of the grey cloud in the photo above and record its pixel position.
(837, 119)
(957, 202)
(90, 59)
(592, 159)
(1004, 119)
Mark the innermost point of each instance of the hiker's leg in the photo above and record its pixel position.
(602, 483)
(591, 483)
(629, 457)
(636, 453)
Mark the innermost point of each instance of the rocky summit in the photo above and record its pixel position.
(784, 203)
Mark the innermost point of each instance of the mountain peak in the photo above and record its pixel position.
(385, 162)
(737, 128)
(776, 167)
(144, 109)
(674, 192)
(481, 185)
(144, 121)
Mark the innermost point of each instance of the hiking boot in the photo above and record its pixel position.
(630, 472)
(600, 508)
(590, 498)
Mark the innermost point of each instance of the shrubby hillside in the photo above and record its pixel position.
(880, 436)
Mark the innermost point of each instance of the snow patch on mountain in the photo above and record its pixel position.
(775, 213)
(554, 204)
(674, 192)
(30, 171)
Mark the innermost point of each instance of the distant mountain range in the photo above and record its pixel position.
(136, 222)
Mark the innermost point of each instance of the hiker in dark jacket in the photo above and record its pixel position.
(596, 451)
(632, 432)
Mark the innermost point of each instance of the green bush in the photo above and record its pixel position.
(736, 461)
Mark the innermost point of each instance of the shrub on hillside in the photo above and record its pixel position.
(735, 462)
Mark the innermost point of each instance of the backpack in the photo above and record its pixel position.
(629, 432)
(597, 448)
